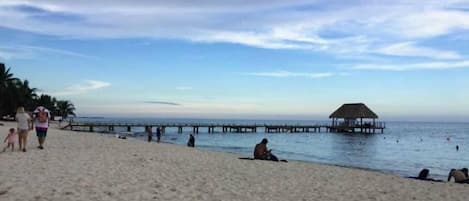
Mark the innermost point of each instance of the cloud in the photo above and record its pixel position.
(285, 74)
(339, 28)
(26, 52)
(48, 50)
(162, 103)
(183, 88)
(415, 66)
(82, 88)
(410, 49)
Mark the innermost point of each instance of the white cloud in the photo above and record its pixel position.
(415, 66)
(344, 29)
(82, 88)
(26, 52)
(430, 23)
(284, 74)
(183, 88)
(410, 49)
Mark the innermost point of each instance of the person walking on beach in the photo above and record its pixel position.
(24, 126)
(191, 142)
(41, 121)
(262, 153)
(10, 139)
(150, 134)
(158, 134)
(460, 176)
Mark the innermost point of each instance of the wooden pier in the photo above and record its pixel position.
(230, 128)
(349, 118)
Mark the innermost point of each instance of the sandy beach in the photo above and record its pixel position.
(90, 166)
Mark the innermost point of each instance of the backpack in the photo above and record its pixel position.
(42, 116)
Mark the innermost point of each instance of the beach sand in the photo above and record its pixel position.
(90, 166)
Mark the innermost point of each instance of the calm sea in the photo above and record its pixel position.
(404, 148)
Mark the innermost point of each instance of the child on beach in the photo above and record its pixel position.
(11, 138)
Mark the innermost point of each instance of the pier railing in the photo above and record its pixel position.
(376, 124)
(366, 127)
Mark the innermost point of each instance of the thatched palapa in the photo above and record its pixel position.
(354, 111)
(345, 119)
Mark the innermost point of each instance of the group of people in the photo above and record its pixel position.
(25, 124)
(190, 142)
(460, 176)
(150, 134)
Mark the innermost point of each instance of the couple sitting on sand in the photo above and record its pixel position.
(460, 176)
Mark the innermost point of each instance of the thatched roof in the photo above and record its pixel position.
(354, 111)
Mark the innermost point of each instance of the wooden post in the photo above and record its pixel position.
(374, 126)
(361, 125)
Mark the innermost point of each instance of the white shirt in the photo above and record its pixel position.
(23, 120)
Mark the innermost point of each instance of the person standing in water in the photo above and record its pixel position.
(191, 142)
(150, 134)
(158, 134)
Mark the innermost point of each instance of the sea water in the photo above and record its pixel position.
(404, 148)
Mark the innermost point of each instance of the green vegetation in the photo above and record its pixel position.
(15, 92)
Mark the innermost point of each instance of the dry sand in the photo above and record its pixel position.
(89, 166)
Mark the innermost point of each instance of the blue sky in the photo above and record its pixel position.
(243, 59)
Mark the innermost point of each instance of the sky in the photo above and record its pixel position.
(263, 59)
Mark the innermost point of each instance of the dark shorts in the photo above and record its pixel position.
(41, 132)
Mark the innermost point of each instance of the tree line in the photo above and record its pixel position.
(15, 92)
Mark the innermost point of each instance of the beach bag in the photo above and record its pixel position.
(42, 116)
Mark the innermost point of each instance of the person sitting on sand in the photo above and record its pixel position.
(191, 142)
(11, 139)
(423, 175)
(262, 153)
(460, 176)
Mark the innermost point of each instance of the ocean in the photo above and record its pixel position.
(404, 148)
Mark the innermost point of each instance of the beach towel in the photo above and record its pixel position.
(248, 158)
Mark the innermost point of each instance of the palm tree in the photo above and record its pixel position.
(6, 90)
(26, 94)
(6, 78)
(65, 108)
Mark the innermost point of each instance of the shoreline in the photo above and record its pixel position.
(140, 136)
(86, 166)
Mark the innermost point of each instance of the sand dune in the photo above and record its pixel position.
(89, 166)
